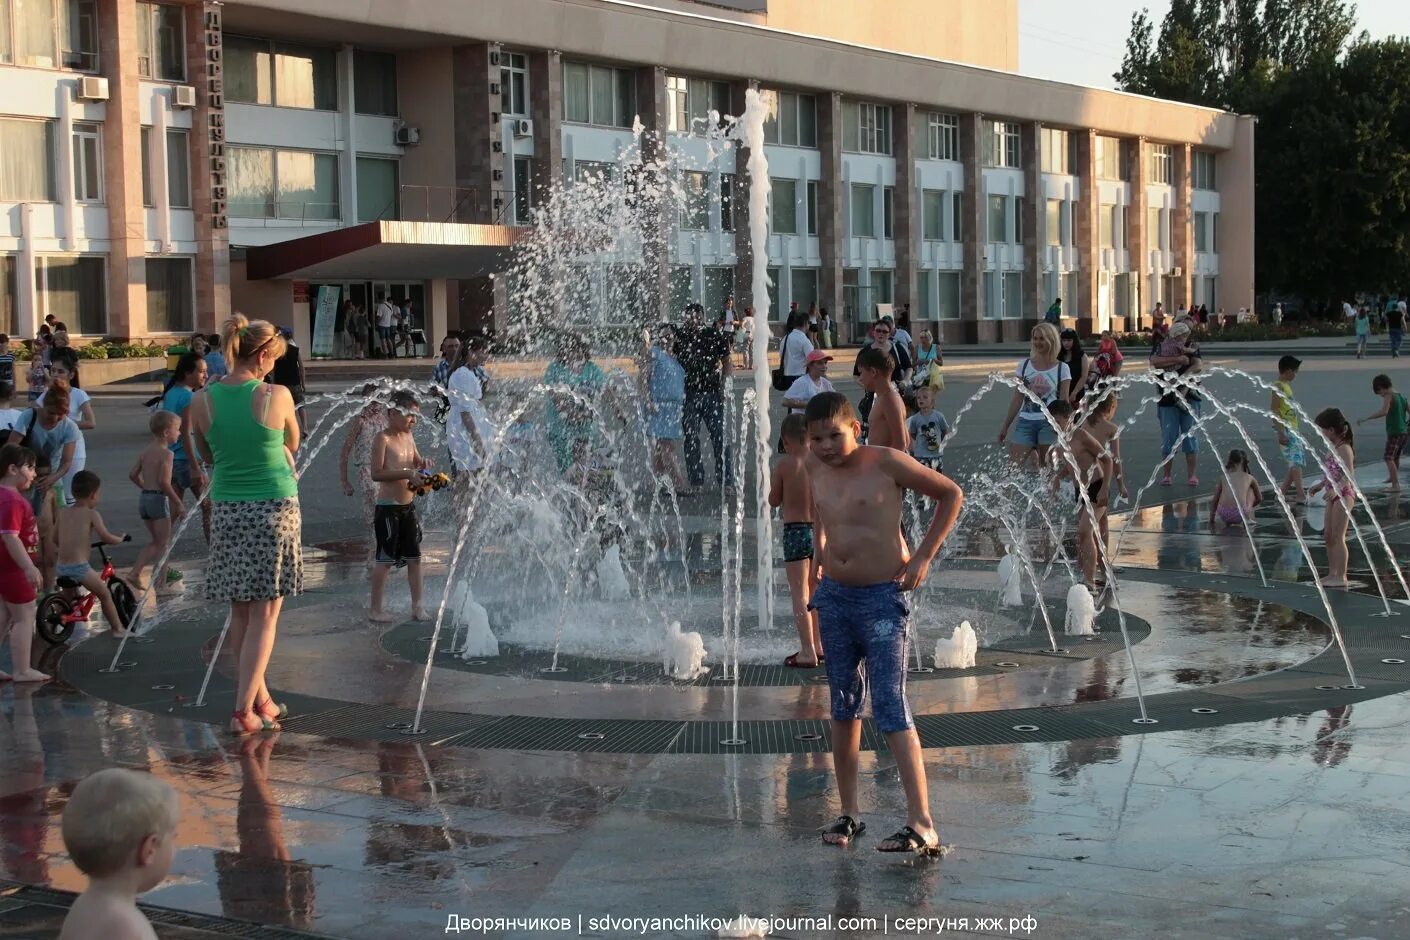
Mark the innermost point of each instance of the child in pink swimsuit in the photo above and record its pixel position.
(1234, 504)
(1339, 469)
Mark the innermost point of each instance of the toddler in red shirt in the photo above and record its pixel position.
(20, 580)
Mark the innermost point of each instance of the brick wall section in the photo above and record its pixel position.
(974, 327)
(830, 223)
(743, 247)
(476, 134)
(546, 108)
(651, 110)
(1033, 202)
(905, 206)
(1182, 235)
(212, 267)
(1085, 232)
(1137, 238)
(122, 160)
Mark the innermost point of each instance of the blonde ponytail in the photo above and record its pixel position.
(242, 338)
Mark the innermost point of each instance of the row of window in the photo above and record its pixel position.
(74, 288)
(64, 34)
(1201, 167)
(28, 169)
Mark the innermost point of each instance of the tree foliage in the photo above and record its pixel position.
(1332, 149)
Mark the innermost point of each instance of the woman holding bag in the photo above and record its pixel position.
(928, 362)
(793, 352)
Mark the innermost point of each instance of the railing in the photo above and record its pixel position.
(417, 203)
(288, 210)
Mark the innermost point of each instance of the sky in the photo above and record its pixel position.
(1082, 41)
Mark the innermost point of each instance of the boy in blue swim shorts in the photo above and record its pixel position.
(862, 603)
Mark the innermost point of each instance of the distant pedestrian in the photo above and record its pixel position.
(1363, 332)
(386, 326)
(746, 337)
(1395, 327)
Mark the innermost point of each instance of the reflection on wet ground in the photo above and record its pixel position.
(1275, 828)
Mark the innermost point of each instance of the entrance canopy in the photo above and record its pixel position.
(389, 250)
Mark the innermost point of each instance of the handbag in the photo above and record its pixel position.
(781, 380)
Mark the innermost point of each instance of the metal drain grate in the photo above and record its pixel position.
(560, 734)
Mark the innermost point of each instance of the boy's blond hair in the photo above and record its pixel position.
(161, 420)
(110, 813)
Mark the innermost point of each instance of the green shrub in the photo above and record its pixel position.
(1252, 332)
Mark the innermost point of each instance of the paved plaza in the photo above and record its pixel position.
(1266, 799)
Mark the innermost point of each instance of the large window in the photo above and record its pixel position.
(514, 84)
(523, 190)
(998, 219)
(178, 169)
(689, 102)
(727, 202)
(1057, 151)
(1111, 159)
(376, 189)
(949, 296)
(1118, 225)
(796, 123)
(1054, 222)
(74, 290)
(942, 135)
(888, 212)
(716, 286)
(811, 196)
(1013, 295)
(1161, 171)
(866, 127)
(88, 162)
(161, 42)
(9, 292)
(1001, 144)
(1105, 223)
(956, 213)
(598, 94)
(882, 288)
(375, 83)
(282, 184)
(695, 200)
(49, 33)
(26, 160)
(1203, 170)
(1155, 231)
(932, 214)
(169, 298)
(784, 214)
(803, 286)
(863, 211)
(258, 71)
(1201, 227)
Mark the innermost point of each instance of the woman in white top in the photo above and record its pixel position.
(794, 348)
(64, 365)
(812, 382)
(1047, 380)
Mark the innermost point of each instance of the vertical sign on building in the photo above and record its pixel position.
(215, 108)
(323, 316)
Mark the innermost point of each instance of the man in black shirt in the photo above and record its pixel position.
(704, 353)
(1395, 327)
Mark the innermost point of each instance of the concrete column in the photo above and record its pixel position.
(347, 165)
(437, 312)
(1086, 228)
(1031, 159)
(1137, 238)
(972, 325)
(204, 70)
(122, 167)
(1182, 236)
(831, 229)
(546, 108)
(743, 245)
(1233, 172)
(652, 199)
(907, 212)
(479, 146)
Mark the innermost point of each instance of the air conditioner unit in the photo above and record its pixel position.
(523, 127)
(1177, 272)
(93, 88)
(407, 136)
(183, 96)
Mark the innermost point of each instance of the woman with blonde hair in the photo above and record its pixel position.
(1043, 380)
(246, 430)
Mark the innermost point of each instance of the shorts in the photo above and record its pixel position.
(1294, 453)
(398, 534)
(14, 589)
(1395, 446)
(933, 463)
(386, 332)
(180, 475)
(1094, 493)
(76, 572)
(1032, 432)
(152, 505)
(868, 622)
(797, 541)
(1231, 515)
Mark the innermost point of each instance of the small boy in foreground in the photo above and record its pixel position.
(77, 525)
(396, 463)
(789, 487)
(863, 612)
(120, 830)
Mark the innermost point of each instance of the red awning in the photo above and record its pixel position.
(389, 250)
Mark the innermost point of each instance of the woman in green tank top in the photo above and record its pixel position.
(247, 431)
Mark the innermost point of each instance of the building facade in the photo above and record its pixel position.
(165, 163)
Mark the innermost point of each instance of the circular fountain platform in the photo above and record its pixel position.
(164, 676)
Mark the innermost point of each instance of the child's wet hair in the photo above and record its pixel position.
(16, 455)
(829, 407)
(85, 484)
(1331, 419)
(872, 358)
(110, 813)
(1237, 460)
(794, 428)
(405, 401)
(158, 423)
(1062, 408)
(1379, 384)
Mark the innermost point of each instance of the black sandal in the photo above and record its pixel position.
(846, 827)
(910, 841)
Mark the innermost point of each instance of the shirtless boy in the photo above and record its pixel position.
(395, 463)
(862, 606)
(159, 502)
(1094, 473)
(886, 425)
(1101, 425)
(77, 525)
(789, 488)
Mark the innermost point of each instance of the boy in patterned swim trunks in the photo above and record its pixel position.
(789, 488)
(863, 611)
(1397, 415)
(1285, 422)
(395, 463)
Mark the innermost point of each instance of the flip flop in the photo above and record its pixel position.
(910, 841)
(792, 663)
(847, 827)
